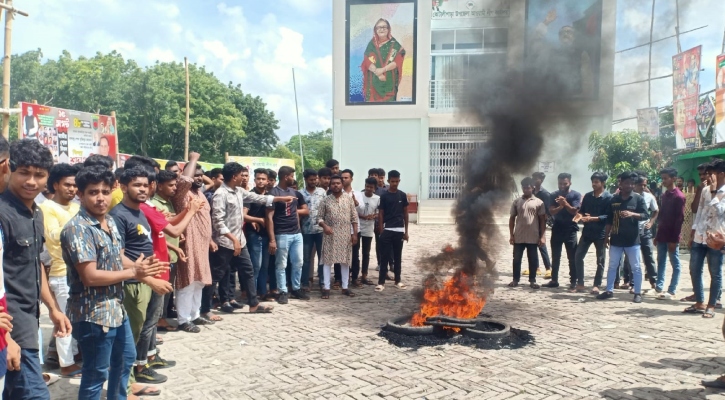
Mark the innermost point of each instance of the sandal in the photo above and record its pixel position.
(212, 317)
(261, 309)
(534, 285)
(693, 310)
(400, 285)
(325, 294)
(357, 285)
(165, 328)
(159, 340)
(336, 286)
(513, 284)
(709, 313)
(147, 391)
(348, 293)
(688, 298)
(379, 288)
(367, 282)
(189, 327)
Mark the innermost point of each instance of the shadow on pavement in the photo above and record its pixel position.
(656, 393)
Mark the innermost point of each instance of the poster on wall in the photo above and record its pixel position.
(546, 167)
(705, 116)
(380, 52)
(563, 47)
(648, 121)
(70, 135)
(719, 135)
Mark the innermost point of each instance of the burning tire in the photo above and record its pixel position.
(488, 329)
(402, 326)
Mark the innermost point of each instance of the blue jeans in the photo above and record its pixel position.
(698, 253)
(615, 257)
(106, 356)
(28, 384)
(259, 253)
(662, 264)
(310, 241)
(288, 246)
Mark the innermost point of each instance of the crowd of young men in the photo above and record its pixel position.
(624, 222)
(128, 249)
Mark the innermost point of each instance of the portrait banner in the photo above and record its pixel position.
(648, 121)
(380, 51)
(70, 135)
(719, 135)
(705, 115)
(685, 111)
(562, 49)
(686, 73)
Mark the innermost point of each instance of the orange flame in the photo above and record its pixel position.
(455, 299)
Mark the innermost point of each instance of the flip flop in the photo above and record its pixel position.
(74, 374)
(689, 298)
(400, 285)
(52, 378)
(708, 314)
(379, 288)
(262, 309)
(145, 391)
(693, 310)
(167, 328)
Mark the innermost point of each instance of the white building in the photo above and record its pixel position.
(426, 137)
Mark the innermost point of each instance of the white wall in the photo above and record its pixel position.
(380, 143)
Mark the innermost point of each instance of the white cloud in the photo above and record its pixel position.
(309, 7)
(167, 10)
(229, 11)
(159, 54)
(220, 51)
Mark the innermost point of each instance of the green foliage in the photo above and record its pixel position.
(627, 150)
(150, 104)
(317, 148)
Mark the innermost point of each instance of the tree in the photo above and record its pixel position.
(317, 147)
(628, 150)
(150, 104)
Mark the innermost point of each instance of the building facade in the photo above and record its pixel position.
(421, 129)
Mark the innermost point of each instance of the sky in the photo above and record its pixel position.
(256, 44)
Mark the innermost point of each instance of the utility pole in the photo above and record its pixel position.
(649, 65)
(677, 27)
(9, 17)
(299, 133)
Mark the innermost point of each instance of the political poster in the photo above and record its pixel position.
(720, 99)
(70, 135)
(705, 115)
(253, 163)
(380, 52)
(648, 121)
(685, 96)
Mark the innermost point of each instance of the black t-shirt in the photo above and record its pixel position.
(544, 196)
(625, 231)
(135, 232)
(392, 205)
(285, 214)
(258, 211)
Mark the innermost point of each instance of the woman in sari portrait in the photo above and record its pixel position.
(382, 65)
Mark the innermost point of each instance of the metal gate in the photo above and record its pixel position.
(449, 148)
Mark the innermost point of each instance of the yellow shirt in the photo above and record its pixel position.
(116, 197)
(55, 216)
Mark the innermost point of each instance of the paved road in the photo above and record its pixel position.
(585, 349)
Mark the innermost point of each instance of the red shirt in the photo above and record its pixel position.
(158, 222)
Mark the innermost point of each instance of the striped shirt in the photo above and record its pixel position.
(83, 240)
(527, 212)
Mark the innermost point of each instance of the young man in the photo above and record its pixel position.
(543, 195)
(26, 284)
(337, 213)
(5, 319)
(645, 229)
(137, 238)
(382, 187)
(193, 277)
(707, 220)
(347, 178)
(566, 203)
(626, 209)
(593, 214)
(311, 230)
(255, 231)
(172, 166)
(165, 190)
(227, 220)
(393, 230)
(672, 214)
(334, 166)
(285, 235)
(323, 179)
(56, 213)
(92, 248)
(527, 229)
(367, 210)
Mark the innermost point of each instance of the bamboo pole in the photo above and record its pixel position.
(9, 17)
(186, 129)
(226, 157)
